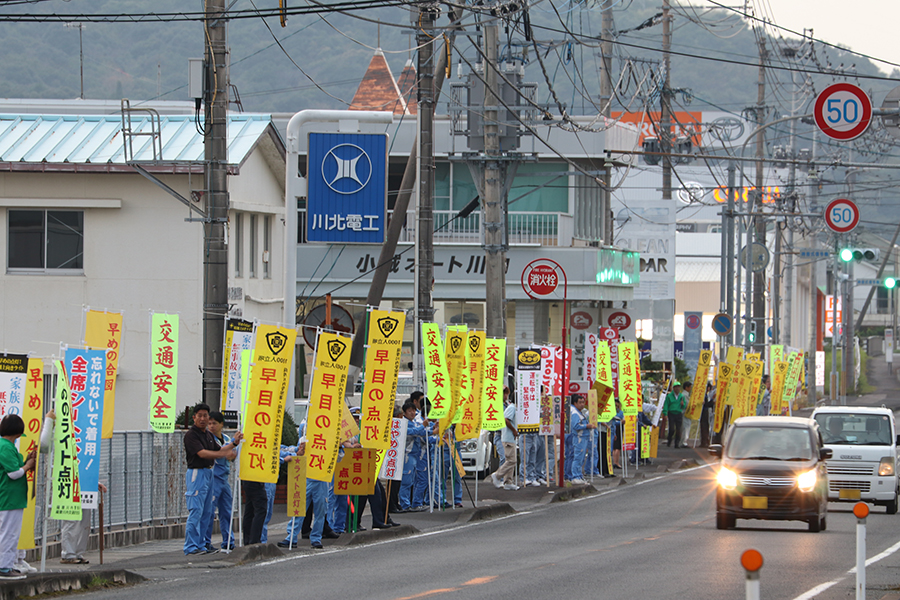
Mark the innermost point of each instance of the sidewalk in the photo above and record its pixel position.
(164, 559)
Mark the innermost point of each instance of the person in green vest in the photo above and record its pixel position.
(13, 494)
(673, 408)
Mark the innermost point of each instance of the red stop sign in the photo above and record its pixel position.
(543, 280)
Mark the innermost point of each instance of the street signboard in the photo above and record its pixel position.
(347, 191)
(759, 257)
(842, 215)
(722, 324)
(843, 111)
(814, 254)
(540, 277)
(869, 282)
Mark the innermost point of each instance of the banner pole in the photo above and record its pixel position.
(45, 500)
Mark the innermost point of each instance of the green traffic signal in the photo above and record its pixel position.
(846, 254)
(890, 283)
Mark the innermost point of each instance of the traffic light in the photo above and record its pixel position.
(751, 333)
(890, 282)
(859, 254)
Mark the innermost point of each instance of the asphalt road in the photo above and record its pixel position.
(650, 539)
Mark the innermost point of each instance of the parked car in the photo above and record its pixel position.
(772, 468)
(478, 456)
(864, 464)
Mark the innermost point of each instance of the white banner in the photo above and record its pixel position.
(528, 399)
(392, 466)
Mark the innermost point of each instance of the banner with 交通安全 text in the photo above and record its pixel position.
(163, 371)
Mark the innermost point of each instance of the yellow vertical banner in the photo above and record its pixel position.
(455, 357)
(645, 442)
(65, 497)
(698, 391)
(604, 367)
(604, 385)
(163, 371)
(385, 340)
(103, 330)
(349, 428)
(267, 396)
(779, 371)
(593, 406)
(654, 442)
(354, 474)
(470, 424)
(296, 485)
(732, 393)
(492, 399)
(755, 382)
(439, 394)
(722, 381)
(32, 414)
(326, 397)
(630, 425)
(465, 385)
(776, 354)
(628, 382)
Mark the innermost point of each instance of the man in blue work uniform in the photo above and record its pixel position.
(425, 458)
(221, 492)
(415, 437)
(579, 434)
(201, 451)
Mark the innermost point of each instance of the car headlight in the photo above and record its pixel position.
(727, 478)
(807, 481)
(471, 446)
(886, 467)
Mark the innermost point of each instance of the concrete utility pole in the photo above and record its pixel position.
(215, 251)
(758, 286)
(425, 224)
(849, 356)
(814, 326)
(398, 218)
(728, 253)
(606, 94)
(494, 215)
(665, 117)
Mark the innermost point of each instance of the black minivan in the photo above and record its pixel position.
(772, 468)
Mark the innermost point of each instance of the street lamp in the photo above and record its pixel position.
(80, 27)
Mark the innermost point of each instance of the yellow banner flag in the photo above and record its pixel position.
(492, 399)
(354, 474)
(606, 403)
(779, 370)
(795, 361)
(732, 393)
(349, 428)
(630, 425)
(385, 339)
(654, 442)
(439, 394)
(470, 424)
(645, 442)
(604, 365)
(267, 396)
(776, 354)
(104, 330)
(455, 356)
(65, 496)
(698, 390)
(755, 383)
(32, 413)
(722, 381)
(628, 381)
(326, 396)
(163, 371)
(593, 407)
(296, 485)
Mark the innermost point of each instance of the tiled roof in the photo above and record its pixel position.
(407, 86)
(378, 90)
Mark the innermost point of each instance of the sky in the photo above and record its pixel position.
(867, 26)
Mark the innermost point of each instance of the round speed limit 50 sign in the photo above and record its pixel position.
(843, 111)
(841, 215)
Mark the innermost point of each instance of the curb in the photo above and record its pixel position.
(491, 511)
(377, 535)
(64, 582)
(573, 492)
(246, 554)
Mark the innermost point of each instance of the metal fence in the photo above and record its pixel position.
(144, 472)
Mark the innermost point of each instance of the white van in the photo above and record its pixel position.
(864, 464)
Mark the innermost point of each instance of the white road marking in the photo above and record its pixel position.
(822, 587)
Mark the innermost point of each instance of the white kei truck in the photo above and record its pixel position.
(863, 465)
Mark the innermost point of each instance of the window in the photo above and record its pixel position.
(251, 267)
(267, 246)
(238, 242)
(46, 239)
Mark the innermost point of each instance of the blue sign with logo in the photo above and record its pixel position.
(347, 188)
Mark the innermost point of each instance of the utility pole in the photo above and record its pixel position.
(215, 251)
(665, 117)
(606, 94)
(494, 215)
(814, 327)
(849, 355)
(80, 28)
(758, 286)
(425, 223)
(728, 232)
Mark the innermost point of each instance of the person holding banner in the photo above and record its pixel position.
(706, 414)
(686, 423)
(424, 458)
(201, 452)
(505, 476)
(221, 488)
(73, 534)
(13, 495)
(673, 409)
(415, 436)
(577, 441)
(764, 405)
